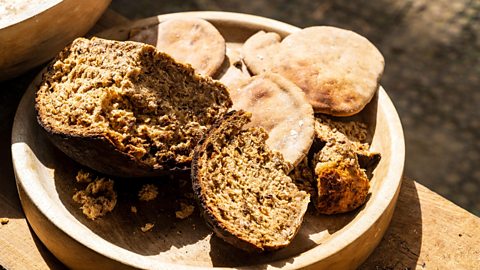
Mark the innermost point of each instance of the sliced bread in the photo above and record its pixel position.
(243, 189)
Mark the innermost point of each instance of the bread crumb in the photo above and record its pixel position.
(185, 211)
(97, 199)
(83, 177)
(4, 220)
(133, 209)
(148, 192)
(147, 227)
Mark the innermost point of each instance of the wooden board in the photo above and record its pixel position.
(45, 179)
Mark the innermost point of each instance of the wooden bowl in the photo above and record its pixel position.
(45, 180)
(33, 39)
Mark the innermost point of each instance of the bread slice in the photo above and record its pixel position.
(243, 189)
(123, 108)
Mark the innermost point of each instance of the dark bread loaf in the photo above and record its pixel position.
(123, 108)
(243, 189)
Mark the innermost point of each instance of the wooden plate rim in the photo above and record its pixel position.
(343, 238)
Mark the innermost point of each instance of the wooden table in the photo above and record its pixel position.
(427, 231)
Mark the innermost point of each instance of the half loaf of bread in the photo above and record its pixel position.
(243, 189)
(123, 108)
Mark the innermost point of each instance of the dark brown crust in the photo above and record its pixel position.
(218, 228)
(340, 190)
(99, 152)
(115, 163)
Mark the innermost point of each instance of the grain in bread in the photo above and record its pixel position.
(337, 169)
(123, 108)
(243, 189)
(342, 185)
(98, 198)
(338, 69)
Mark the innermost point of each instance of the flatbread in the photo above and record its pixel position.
(281, 108)
(338, 69)
(233, 71)
(188, 40)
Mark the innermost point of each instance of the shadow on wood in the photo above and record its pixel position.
(400, 247)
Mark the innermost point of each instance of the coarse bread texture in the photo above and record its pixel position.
(243, 189)
(98, 198)
(342, 185)
(123, 108)
(337, 169)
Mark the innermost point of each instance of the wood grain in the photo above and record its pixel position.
(428, 232)
(412, 241)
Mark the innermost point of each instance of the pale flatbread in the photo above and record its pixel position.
(188, 40)
(280, 107)
(338, 69)
(233, 71)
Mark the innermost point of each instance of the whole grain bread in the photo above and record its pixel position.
(243, 189)
(123, 108)
(342, 185)
(338, 167)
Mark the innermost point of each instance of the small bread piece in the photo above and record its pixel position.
(281, 108)
(189, 40)
(338, 69)
(125, 109)
(342, 185)
(243, 189)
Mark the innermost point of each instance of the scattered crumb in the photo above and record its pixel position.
(148, 192)
(133, 209)
(97, 199)
(185, 210)
(147, 227)
(4, 220)
(84, 177)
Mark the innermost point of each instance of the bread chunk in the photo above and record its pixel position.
(337, 169)
(243, 189)
(338, 69)
(342, 185)
(125, 109)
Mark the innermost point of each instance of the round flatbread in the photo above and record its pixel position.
(338, 70)
(281, 108)
(188, 40)
(233, 71)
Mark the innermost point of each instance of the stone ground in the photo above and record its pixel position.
(432, 52)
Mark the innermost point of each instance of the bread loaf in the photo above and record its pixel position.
(123, 108)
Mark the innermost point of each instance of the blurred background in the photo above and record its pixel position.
(432, 53)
